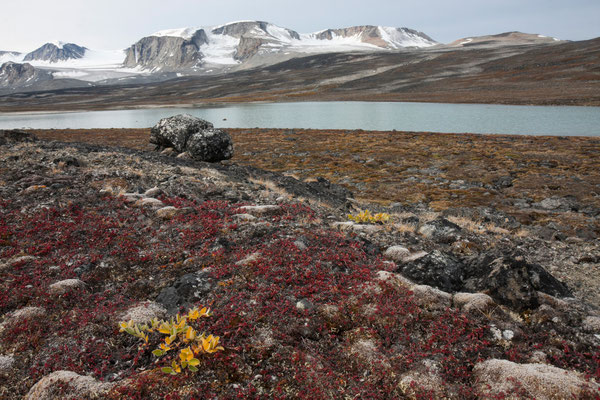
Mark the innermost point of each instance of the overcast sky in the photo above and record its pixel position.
(116, 24)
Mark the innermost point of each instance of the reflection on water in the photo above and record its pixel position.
(426, 117)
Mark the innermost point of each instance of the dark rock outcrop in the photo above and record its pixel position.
(53, 52)
(512, 282)
(509, 280)
(436, 269)
(15, 136)
(196, 136)
(186, 291)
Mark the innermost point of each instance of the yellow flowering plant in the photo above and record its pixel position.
(178, 336)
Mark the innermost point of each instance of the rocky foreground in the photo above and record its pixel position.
(306, 303)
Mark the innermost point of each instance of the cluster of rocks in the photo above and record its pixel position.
(188, 135)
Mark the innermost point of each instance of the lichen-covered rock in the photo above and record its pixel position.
(149, 202)
(167, 212)
(67, 285)
(144, 312)
(591, 324)
(397, 253)
(431, 298)
(175, 131)
(469, 302)
(210, 145)
(67, 385)
(6, 363)
(541, 381)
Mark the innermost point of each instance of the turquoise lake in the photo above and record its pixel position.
(420, 117)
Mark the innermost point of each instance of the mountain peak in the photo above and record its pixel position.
(56, 51)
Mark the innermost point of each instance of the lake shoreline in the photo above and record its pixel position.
(84, 107)
(380, 116)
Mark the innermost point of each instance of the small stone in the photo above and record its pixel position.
(6, 363)
(153, 192)
(67, 285)
(132, 197)
(150, 202)
(540, 381)
(34, 188)
(304, 304)
(144, 312)
(397, 253)
(71, 384)
(469, 302)
(430, 297)
(167, 212)
(184, 156)
(169, 151)
(508, 334)
(591, 324)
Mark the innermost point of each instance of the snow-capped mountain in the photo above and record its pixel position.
(219, 49)
(236, 42)
(56, 51)
(504, 39)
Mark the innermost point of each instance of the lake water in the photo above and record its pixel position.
(425, 117)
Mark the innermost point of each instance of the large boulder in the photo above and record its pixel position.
(436, 269)
(210, 145)
(511, 281)
(196, 136)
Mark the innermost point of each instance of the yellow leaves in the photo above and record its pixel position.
(125, 326)
(165, 328)
(164, 347)
(190, 334)
(211, 344)
(186, 354)
(366, 216)
(179, 334)
(194, 313)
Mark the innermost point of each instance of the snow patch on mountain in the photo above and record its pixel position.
(184, 33)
